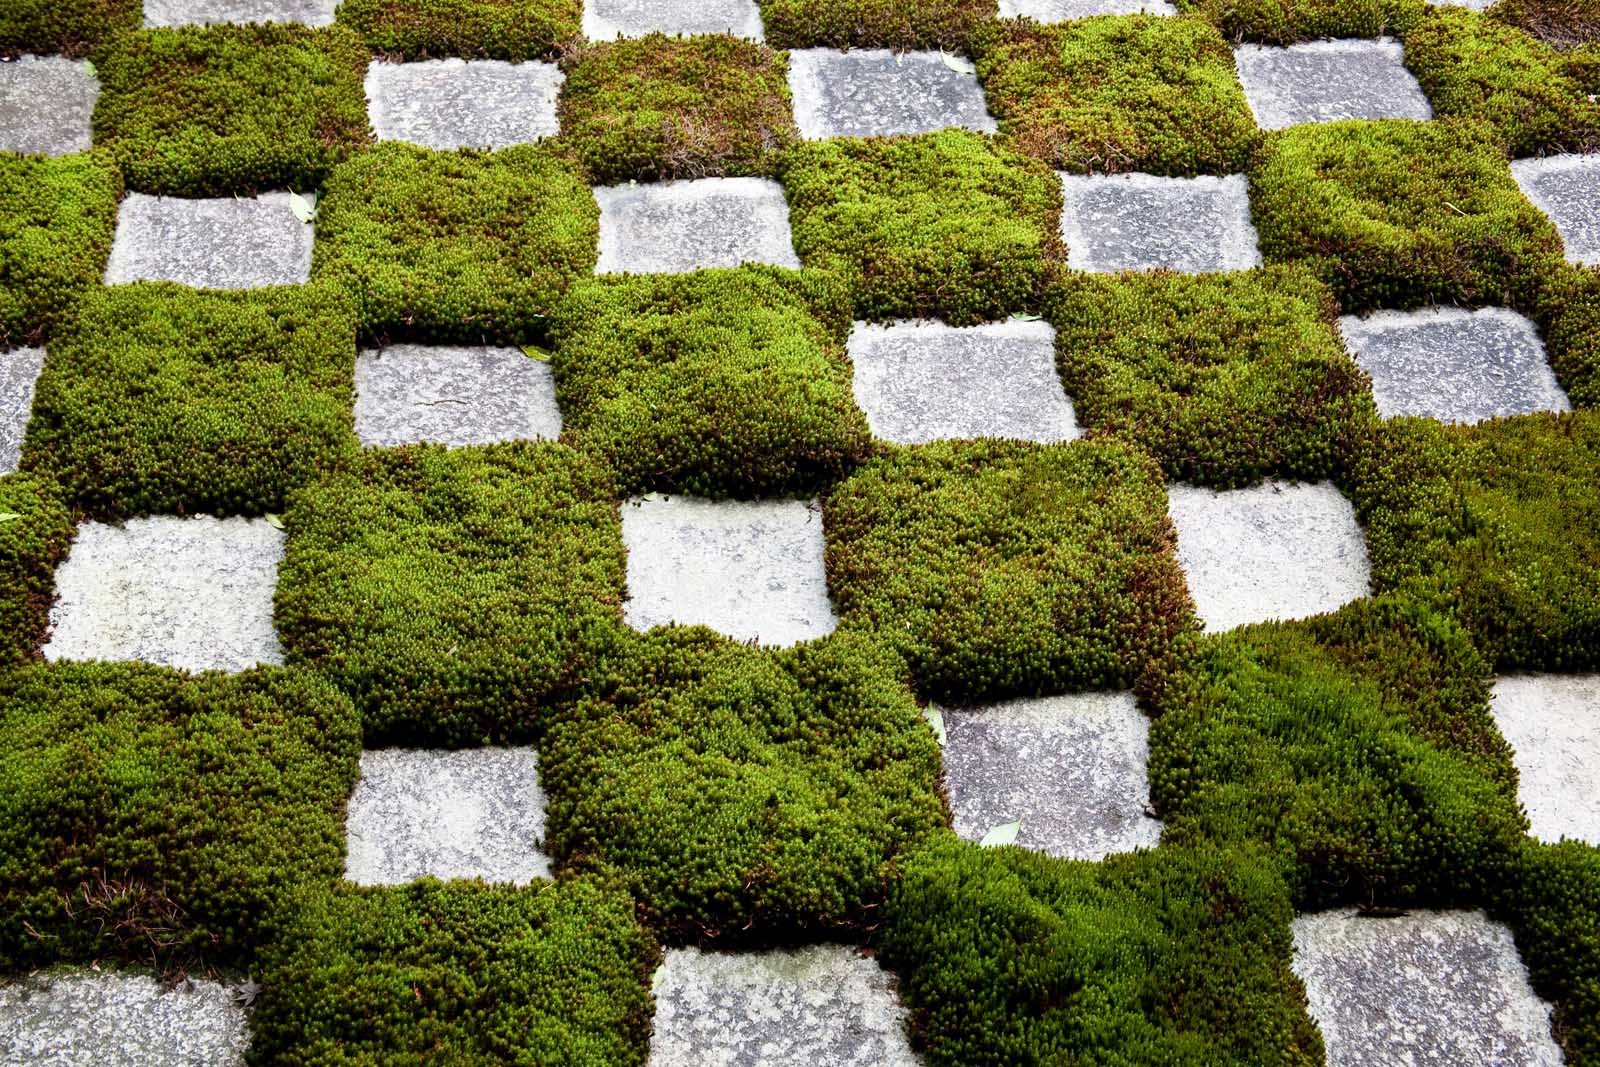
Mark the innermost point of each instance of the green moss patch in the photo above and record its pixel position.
(35, 529)
(897, 24)
(1284, 22)
(475, 29)
(69, 27)
(1564, 24)
(1552, 900)
(1568, 314)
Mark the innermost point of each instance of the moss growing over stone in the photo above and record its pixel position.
(35, 529)
(512, 30)
(1283, 22)
(68, 27)
(899, 24)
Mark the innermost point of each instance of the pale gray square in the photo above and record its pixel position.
(19, 369)
(605, 20)
(1326, 81)
(232, 243)
(1552, 722)
(454, 103)
(1567, 189)
(455, 396)
(45, 105)
(676, 227)
(875, 92)
(1143, 222)
(210, 12)
(1066, 10)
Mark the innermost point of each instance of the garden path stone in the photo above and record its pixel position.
(19, 369)
(226, 243)
(676, 227)
(605, 20)
(472, 813)
(1325, 81)
(455, 396)
(194, 593)
(1144, 222)
(447, 104)
(869, 92)
(200, 12)
(1452, 364)
(1425, 989)
(45, 105)
(1278, 550)
(749, 569)
(1552, 722)
(1567, 189)
(1066, 10)
(920, 381)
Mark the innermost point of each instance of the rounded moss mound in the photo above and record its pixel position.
(68, 27)
(1284, 22)
(35, 529)
(475, 29)
(897, 24)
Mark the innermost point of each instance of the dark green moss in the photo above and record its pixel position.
(1568, 315)
(475, 29)
(35, 529)
(899, 24)
(1564, 24)
(69, 27)
(1283, 22)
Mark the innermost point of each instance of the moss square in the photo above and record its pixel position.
(512, 30)
(899, 24)
(1564, 24)
(1285, 22)
(67, 27)
(33, 538)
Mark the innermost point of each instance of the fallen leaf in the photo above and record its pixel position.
(274, 521)
(8, 516)
(535, 352)
(935, 719)
(1004, 834)
(959, 64)
(304, 207)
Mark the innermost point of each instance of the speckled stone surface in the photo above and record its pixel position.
(186, 12)
(1428, 989)
(605, 20)
(671, 227)
(1552, 722)
(1324, 81)
(869, 92)
(45, 105)
(77, 1017)
(1143, 222)
(1065, 10)
(748, 569)
(1566, 188)
(455, 396)
(922, 381)
(19, 369)
(1278, 550)
(819, 1006)
(452, 103)
(1454, 365)
(1070, 768)
(192, 592)
(1475, 5)
(473, 813)
(228, 243)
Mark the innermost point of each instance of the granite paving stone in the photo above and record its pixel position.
(868, 92)
(454, 103)
(1066, 10)
(225, 243)
(1325, 81)
(674, 227)
(1552, 722)
(1567, 189)
(605, 20)
(19, 369)
(45, 105)
(1144, 222)
(453, 395)
(202, 12)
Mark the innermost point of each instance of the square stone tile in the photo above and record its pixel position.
(229, 243)
(45, 105)
(1454, 365)
(455, 103)
(1552, 722)
(194, 593)
(1278, 550)
(869, 92)
(472, 813)
(1566, 188)
(751, 569)
(819, 1006)
(1427, 989)
(203, 12)
(1070, 768)
(455, 396)
(1066, 10)
(19, 369)
(1325, 81)
(1143, 222)
(921, 381)
(675, 227)
(1475, 5)
(606, 20)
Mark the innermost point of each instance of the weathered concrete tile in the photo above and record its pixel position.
(76, 1017)
(225, 243)
(453, 103)
(1143, 222)
(1475, 5)
(1454, 365)
(1566, 188)
(605, 20)
(820, 1006)
(455, 396)
(473, 813)
(45, 105)
(19, 369)
(872, 91)
(1552, 722)
(201, 12)
(922, 381)
(1066, 10)
(1324, 81)
(1278, 550)
(194, 593)
(1427, 989)
(749, 569)
(1070, 768)
(675, 227)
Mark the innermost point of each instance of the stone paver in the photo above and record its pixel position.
(1278, 550)
(452, 103)
(455, 396)
(604, 20)
(1143, 222)
(19, 369)
(1475, 5)
(45, 105)
(873, 91)
(1427, 989)
(820, 1006)
(1566, 188)
(690, 225)
(227, 243)
(194, 593)
(1325, 81)
(749, 569)
(192, 12)
(1552, 722)
(473, 813)
(1070, 768)
(1066, 10)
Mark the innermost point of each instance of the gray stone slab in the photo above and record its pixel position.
(1278, 550)
(203, 12)
(454, 396)
(1325, 81)
(1566, 188)
(921, 381)
(1475, 5)
(820, 1006)
(1066, 10)
(229, 243)
(194, 593)
(45, 105)
(1427, 989)
(1070, 768)
(751, 569)
(674, 227)
(1454, 365)
(1143, 222)
(1552, 722)
(455, 103)
(19, 369)
(605, 20)
(473, 813)
(78, 1017)
(875, 92)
